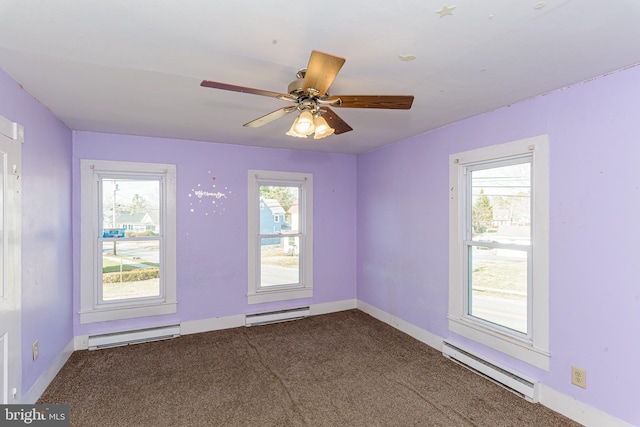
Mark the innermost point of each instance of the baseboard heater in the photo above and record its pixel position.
(511, 380)
(276, 316)
(136, 336)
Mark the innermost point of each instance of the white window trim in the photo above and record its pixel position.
(535, 350)
(90, 310)
(255, 294)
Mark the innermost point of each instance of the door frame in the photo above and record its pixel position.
(11, 140)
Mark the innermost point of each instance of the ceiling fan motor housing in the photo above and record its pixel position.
(306, 101)
(295, 87)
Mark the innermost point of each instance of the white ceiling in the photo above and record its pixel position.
(135, 66)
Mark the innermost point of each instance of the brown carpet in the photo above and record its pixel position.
(341, 369)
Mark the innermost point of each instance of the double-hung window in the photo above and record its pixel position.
(280, 236)
(498, 291)
(127, 240)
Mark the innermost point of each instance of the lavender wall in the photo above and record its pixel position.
(402, 223)
(212, 239)
(594, 219)
(46, 229)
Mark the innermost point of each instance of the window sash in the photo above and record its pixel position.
(93, 306)
(301, 185)
(99, 285)
(301, 244)
(162, 185)
(488, 165)
(260, 291)
(533, 348)
(469, 285)
(469, 243)
(301, 233)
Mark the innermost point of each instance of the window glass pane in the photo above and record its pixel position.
(498, 286)
(279, 261)
(130, 207)
(130, 269)
(279, 209)
(501, 204)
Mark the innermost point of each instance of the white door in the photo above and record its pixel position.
(11, 138)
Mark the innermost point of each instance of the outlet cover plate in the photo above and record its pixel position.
(578, 377)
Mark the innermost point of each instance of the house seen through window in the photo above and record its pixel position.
(280, 236)
(130, 238)
(128, 251)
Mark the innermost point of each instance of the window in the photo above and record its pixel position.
(280, 236)
(128, 230)
(498, 278)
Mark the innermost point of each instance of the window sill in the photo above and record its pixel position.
(279, 295)
(127, 312)
(512, 346)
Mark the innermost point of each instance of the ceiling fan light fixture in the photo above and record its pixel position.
(293, 132)
(304, 123)
(309, 94)
(322, 128)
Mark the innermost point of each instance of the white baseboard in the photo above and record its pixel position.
(45, 379)
(420, 334)
(211, 324)
(333, 307)
(235, 321)
(81, 342)
(561, 403)
(577, 410)
(226, 322)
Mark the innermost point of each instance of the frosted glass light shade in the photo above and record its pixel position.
(292, 131)
(304, 123)
(322, 128)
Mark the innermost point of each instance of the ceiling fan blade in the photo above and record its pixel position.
(268, 118)
(321, 71)
(392, 102)
(335, 121)
(234, 88)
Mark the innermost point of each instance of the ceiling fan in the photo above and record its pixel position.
(309, 94)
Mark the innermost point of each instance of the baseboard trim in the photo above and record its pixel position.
(559, 402)
(420, 334)
(236, 321)
(41, 384)
(578, 411)
(81, 342)
(211, 324)
(333, 307)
